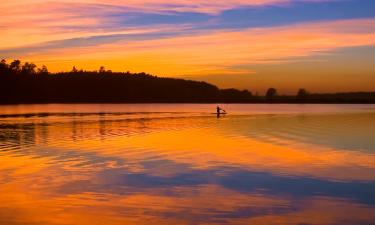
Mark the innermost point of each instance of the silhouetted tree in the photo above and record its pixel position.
(271, 94)
(102, 69)
(234, 95)
(3, 66)
(74, 70)
(90, 86)
(106, 86)
(302, 94)
(15, 66)
(43, 70)
(28, 68)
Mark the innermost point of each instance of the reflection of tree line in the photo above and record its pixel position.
(35, 133)
(25, 83)
(14, 136)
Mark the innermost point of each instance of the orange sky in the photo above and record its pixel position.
(236, 43)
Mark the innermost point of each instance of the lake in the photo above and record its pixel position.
(109, 164)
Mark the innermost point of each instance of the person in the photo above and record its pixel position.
(218, 110)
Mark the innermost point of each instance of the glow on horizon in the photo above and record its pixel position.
(185, 38)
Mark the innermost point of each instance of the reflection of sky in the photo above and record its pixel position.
(345, 131)
(188, 170)
(229, 38)
(122, 181)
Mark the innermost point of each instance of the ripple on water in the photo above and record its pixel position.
(187, 168)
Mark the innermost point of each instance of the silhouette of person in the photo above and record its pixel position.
(218, 111)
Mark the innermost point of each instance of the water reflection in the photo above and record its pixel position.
(187, 168)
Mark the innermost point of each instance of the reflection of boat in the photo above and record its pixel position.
(222, 113)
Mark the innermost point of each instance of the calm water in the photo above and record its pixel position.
(180, 164)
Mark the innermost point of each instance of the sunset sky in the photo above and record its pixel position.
(321, 45)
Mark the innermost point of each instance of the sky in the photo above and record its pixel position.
(320, 45)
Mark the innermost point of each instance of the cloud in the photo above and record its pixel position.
(30, 22)
(162, 6)
(89, 33)
(216, 51)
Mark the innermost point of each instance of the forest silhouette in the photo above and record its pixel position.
(26, 83)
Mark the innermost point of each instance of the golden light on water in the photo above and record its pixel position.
(185, 168)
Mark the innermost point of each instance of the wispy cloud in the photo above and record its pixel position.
(183, 37)
(217, 51)
(30, 22)
(161, 6)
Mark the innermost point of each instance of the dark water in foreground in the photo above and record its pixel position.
(179, 164)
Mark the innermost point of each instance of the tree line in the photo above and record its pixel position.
(27, 83)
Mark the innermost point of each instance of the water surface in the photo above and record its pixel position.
(181, 164)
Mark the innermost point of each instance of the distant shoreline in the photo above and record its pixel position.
(27, 84)
(260, 102)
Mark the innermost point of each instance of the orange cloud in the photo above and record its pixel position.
(202, 6)
(38, 21)
(217, 51)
